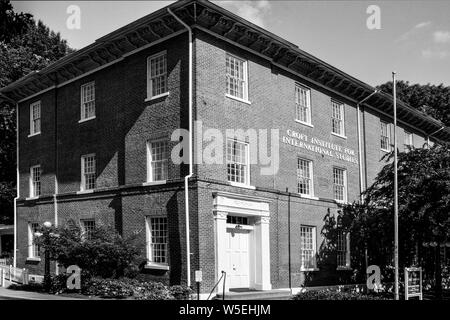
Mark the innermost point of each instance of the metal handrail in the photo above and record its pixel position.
(224, 276)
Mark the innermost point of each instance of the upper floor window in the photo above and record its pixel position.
(157, 75)
(337, 118)
(237, 77)
(307, 247)
(408, 143)
(88, 172)
(33, 248)
(88, 101)
(35, 181)
(340, 184)
(157, 161)
(385, 140)
(304, 177)
(35, 118)
(238, 162)
(303, 104)
(157, 240)
(88, 228)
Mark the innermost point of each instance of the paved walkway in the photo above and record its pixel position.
(28, 295)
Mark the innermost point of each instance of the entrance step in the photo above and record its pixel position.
(276, 294)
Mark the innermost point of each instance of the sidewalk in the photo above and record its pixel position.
(28, 295)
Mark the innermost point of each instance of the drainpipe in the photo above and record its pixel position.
(361, 180)
(2, 96)
(186, 178)
(55, 199)
(428, 137)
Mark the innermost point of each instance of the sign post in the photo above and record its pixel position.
(198, 279)
(413, 283)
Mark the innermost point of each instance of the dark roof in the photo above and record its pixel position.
(209, 17)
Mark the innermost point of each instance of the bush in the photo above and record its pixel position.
(335, 295)
(180, 292)
(152, 291)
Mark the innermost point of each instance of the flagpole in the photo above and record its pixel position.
(394, 93)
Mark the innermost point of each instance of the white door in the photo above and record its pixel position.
(237, 258)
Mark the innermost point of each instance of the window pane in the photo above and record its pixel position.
(88, 101)
(304, 177)
(35, 181)
(158, 240)
(89, 172)
(303, 107)
(237, 161)
(384, 136)
(337, 118)
(339, 184)
(235, 74)
(158, 75)
(307, 247)
(159, 160)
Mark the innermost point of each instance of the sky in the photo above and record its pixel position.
(413, 38)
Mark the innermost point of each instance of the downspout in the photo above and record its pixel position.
(55, 199)
(361, 179)
(186, 178)
(17, 175)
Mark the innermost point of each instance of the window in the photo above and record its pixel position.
(340, 184)
(35, 181)
(337, 118)
(237, 220)
(308, 247)
(157, 75)
(88, 101)
(88, 172)
(343, 249)
(385, 141)
(157, 168)
(303, 104)
(304, 177)
(35, 118)
(238, 162)
(33, 248)
(157, 236)
(237, 84)
(88, 227)
(408, 143)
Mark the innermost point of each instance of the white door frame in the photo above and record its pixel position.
(243, 205)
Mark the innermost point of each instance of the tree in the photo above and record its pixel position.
(25, 46)
(424, 210)
(101, 252)
(433, 100)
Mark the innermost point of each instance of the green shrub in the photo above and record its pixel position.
(107, 288)
(151, 291)
(180, 292)
(335, 295)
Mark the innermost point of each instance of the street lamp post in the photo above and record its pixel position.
(47, 235)
(397, 297)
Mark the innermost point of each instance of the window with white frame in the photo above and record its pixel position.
(33, 248)
(35, 181)
(237, 75)
(157, 75)
(157, 240)
(88, 101)
(340, 184)
(35, 118)
(408, 143)
(88, 228)
(304, 177)
(88, 172)
(385, 139)
(303, 104)
(337, 118)
(157, 162)
(238, 163)
(343, 249)
(308, 247)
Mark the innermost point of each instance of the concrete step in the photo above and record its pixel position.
(276, 294)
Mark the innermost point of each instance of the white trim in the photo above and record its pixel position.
(311, 173)
(304, 123)
(87, 119)
(314, 243)
(241, 185)
(32, 198)
(85, 191)
(237, 99)
(32, 191)
(338, 135)
(156, 266)
(157, 97)
(388, 132)
(154, 183)
(308, 196)
(245, 94)
(345, 195)
(150, 179)
(82, 103)
(342, 113)
(32, 105)
(83, 179)
(148, 241)
(34, 134)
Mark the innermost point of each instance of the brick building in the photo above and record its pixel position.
(97, 135)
